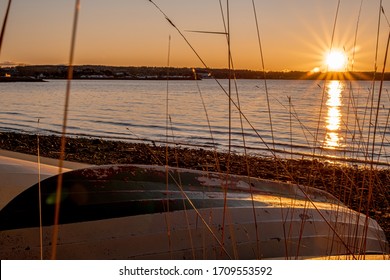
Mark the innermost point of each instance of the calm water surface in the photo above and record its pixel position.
(329, 119)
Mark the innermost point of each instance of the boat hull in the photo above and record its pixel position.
(149, 212)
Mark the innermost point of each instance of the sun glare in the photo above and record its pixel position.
(336, 61)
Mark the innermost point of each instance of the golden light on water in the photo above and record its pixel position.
(333, 118)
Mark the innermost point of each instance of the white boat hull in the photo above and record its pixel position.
(274, 220)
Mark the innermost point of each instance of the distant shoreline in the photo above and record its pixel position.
(19, 79)
(96, 72)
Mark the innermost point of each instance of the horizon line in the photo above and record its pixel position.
(8, 64)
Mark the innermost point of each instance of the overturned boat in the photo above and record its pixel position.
(157, 212)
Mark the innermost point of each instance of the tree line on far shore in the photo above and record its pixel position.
(144, 72)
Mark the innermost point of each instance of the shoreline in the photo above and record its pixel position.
(350, 184)
(111, 72)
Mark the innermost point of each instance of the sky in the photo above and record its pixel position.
(294, 34)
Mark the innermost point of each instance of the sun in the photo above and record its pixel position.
(336, 60)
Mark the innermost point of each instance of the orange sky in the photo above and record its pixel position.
(295, 35)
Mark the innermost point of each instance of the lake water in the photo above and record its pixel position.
(307, 117)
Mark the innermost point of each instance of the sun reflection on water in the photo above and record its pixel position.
(333, 118)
